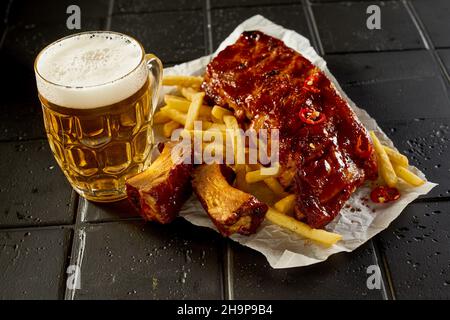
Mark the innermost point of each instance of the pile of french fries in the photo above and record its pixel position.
(188, 106)
(393, 166)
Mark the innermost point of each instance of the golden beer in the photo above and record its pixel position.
(98, 109)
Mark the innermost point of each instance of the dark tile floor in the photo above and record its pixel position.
(400, 74)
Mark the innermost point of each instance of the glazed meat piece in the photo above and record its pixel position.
(322, 143)
(159, 192)
(230, 209)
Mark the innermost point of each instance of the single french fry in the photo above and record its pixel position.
(169, 127)
(286, 205)
(259, 175)
(408, 176)
(218, 126)
(321, 236)
(275, 186)
(182, 105)
(238, 144)
(396, 157)
(174, 115)
(159, 118)
(182, 81)
(218, 113)
(188, 92)
(273, 170)
(194, 110)
(385, 166)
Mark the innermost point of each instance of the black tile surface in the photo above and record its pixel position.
(342, 27)
(426, 142)
(33, 27)
(172, 36)
(435, 17)
(94, 212)
(393, 85)
(33, 263)
(20, 107)
(141, 6)
(33, 190)
(149, 261)
(372, 67)
(342, 276)
(244, 3)
(445, 56)
(402, 100)
(416, 249)
(224, 21)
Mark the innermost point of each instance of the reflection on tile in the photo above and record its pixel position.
(435, 17)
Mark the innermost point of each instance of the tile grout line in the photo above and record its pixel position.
(229, 289)
(312, 25)
(426, 39)
(110, 14)
(208, 26)
(227, 266)
(73, 258)
(386, 271)
(385, 274)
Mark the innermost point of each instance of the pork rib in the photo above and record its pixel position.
(267, 84)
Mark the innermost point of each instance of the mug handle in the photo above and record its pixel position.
(156, 70)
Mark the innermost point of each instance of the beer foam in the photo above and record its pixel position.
(89, 70)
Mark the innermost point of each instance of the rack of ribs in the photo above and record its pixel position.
(268, 86)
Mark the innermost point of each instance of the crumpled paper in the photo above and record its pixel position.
(357, 222)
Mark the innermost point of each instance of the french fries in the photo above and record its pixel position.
(286, 205)
(393, 165)
(385, 166)
(321, 236)
(182, 81)
(396, 157)
(188, 92)
(159, 118)
(194, 110)
(238, 144)
(183, 105)
(174, 115)
(408, 176)
(168, 128)
(275, 186)
(218, 113)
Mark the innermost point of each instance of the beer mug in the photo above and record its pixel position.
(98, 92)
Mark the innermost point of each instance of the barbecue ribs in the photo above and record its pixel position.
(268, 85)
(159, 192)
(230, 209)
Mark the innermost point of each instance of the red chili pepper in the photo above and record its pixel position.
(363, 152)
(384, 194)
(311, 116)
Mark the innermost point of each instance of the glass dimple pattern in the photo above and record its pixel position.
(99, 150)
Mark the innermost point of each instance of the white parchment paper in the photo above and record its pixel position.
(282, 248)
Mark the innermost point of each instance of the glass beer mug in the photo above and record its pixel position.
(98, 92)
